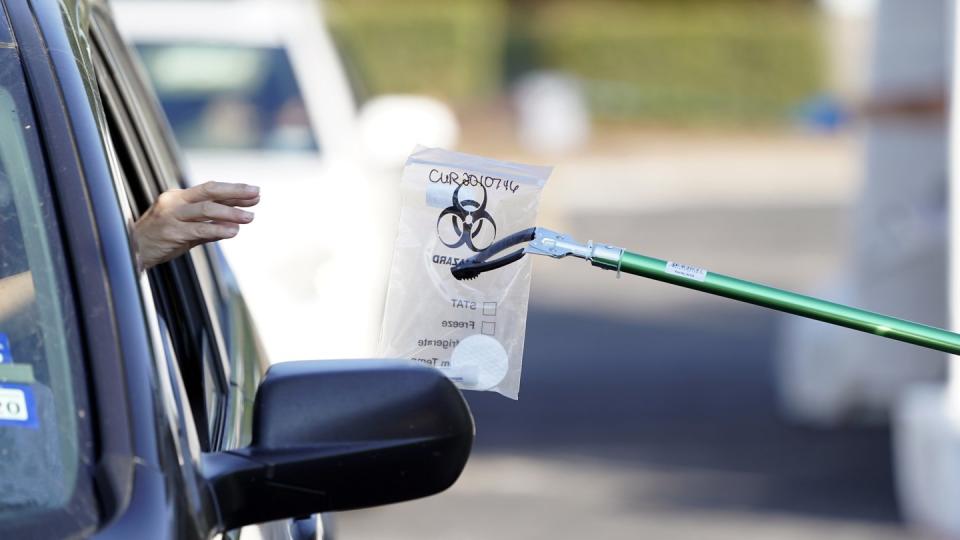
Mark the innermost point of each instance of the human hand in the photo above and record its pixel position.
(183, 218)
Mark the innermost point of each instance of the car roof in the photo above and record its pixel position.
(253, 22)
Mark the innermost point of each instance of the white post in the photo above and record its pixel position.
(927, 420)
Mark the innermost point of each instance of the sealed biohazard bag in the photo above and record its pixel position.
(453, 206)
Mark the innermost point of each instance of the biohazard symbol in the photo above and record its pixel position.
(467, 218)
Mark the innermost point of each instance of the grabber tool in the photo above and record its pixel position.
(542, 241)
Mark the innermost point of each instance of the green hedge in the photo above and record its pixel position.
(670, 61)
(450, 49)
(686, 61)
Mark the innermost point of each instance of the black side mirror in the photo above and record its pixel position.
(340, 435)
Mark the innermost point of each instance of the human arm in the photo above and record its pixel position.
(183, 218)
(179, 220)
(16, 293)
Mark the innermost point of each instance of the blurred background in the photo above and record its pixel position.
(798, 143)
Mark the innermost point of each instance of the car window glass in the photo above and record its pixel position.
(45, 445)
(213, 395)
(230, 97)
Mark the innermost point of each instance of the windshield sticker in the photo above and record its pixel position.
(16, 373)
(6, 356)
(17, 406)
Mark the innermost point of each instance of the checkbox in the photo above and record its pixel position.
(488, 328)
(490, 309)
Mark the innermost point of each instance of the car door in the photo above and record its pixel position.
(204, 324)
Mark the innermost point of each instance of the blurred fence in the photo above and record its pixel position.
(661, 61)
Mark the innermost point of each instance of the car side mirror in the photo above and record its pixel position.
(340, 435)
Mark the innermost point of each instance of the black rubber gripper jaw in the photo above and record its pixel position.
(481, 262)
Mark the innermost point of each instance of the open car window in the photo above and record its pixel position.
(178, 295)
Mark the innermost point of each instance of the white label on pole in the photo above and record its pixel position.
(685, 270)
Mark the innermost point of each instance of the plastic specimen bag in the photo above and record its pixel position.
(455, 205)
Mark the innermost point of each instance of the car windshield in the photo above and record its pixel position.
(45, 443)
(230, 97)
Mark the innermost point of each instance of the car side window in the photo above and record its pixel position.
(174, 284)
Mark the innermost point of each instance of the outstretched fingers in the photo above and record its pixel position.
(184, 218)
(241, 202)
(212, 211)
(221, 191)
(212, 231)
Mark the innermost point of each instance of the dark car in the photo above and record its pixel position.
(138, 404)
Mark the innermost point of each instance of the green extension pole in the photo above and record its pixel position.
(786, 301)
(549, 243)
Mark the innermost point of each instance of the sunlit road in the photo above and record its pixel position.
(649, 412)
